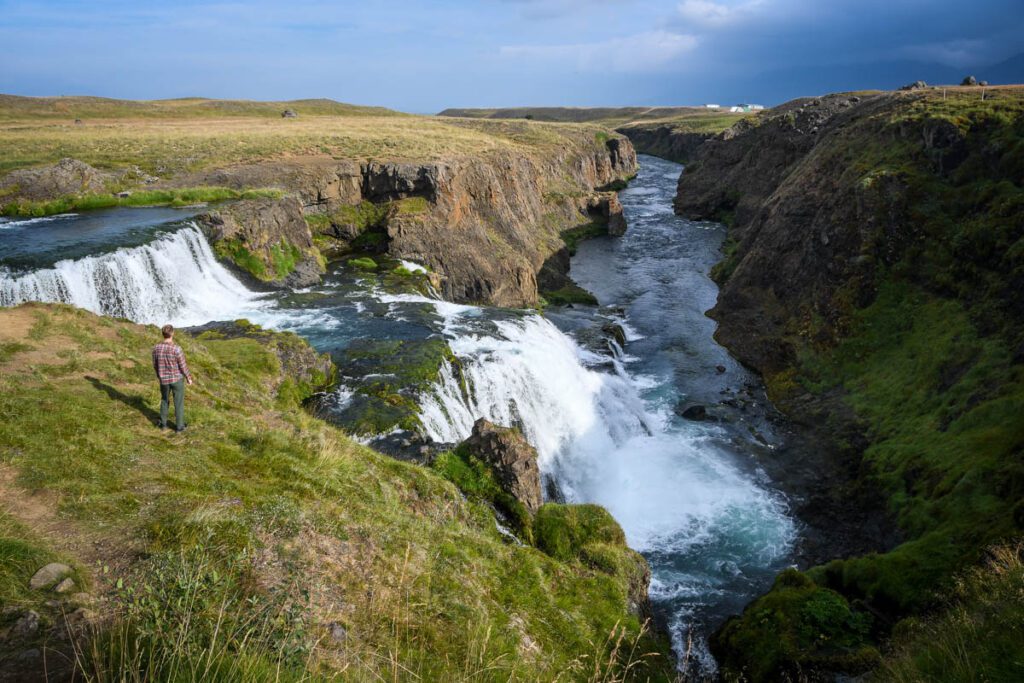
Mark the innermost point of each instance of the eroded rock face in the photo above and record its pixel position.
(514, 460)
(663, 140)
(271, 230)
(66, 177)
(803, 228)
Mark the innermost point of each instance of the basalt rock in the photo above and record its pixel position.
(266, 238)
(485, 224)
(512, 458)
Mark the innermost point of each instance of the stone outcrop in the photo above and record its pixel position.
(512, 458)
(302, 368)
(272, 233)
(66, 177)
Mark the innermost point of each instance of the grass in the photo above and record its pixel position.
(974, 637)
(930, 365)
(234, 547)
(173, 197)
(197, 138)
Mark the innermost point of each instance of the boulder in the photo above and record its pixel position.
(969, 80)
(916, 85)
(695, 412)
(66, 177)
(289, 114)
(49, 575)
(513, 459)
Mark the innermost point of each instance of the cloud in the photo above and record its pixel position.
(708, 13)
(640, 52)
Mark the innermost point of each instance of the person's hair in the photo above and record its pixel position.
(167, 331)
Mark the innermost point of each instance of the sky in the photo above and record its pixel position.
(421, 56)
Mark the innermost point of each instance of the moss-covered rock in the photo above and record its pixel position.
(873, 274)
(563, 531)
(797, 628)
(266, 239)
(386, 378)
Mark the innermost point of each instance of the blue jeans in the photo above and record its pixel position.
(178, 389)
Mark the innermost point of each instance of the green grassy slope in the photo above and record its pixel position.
(932, 365)
(262, 543)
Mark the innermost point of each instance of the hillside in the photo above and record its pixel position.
(872, 275)
(673, 133)
(263, 542)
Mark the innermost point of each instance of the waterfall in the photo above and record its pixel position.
(598, 438)
(175, 278)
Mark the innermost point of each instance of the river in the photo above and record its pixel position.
(603, 417)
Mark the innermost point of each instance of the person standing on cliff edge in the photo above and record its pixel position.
(172, 371)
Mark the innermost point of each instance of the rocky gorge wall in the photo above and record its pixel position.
(485, 225)
(665, 140)
(870, 272)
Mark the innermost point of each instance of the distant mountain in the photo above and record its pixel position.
(1008, 71)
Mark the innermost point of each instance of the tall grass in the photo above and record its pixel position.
(172, 197)
(979, 636)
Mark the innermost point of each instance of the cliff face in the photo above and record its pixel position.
(872, 274)
(665, 140)
(486, 224)
(802, 224)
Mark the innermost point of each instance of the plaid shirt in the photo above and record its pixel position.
(169, 363)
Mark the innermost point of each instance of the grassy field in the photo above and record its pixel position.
(172, 137)
(263, 544)
(684, 119)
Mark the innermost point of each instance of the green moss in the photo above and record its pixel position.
(569, 294)
(236, 252)
(174, 197)
(283, 259)
(412, 206)
(562, 531)
(363, 263)
(573, 236)
(796, 627)
(388, 376)
(477, 480)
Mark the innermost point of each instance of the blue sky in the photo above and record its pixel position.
(424, 56)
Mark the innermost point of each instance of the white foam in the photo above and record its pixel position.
(9, 223)
(175, 278)
(670, 490)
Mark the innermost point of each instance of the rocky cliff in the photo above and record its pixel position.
(486, 224)
(871, 274)
(665, 140)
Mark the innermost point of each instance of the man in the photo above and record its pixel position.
(172, 371)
